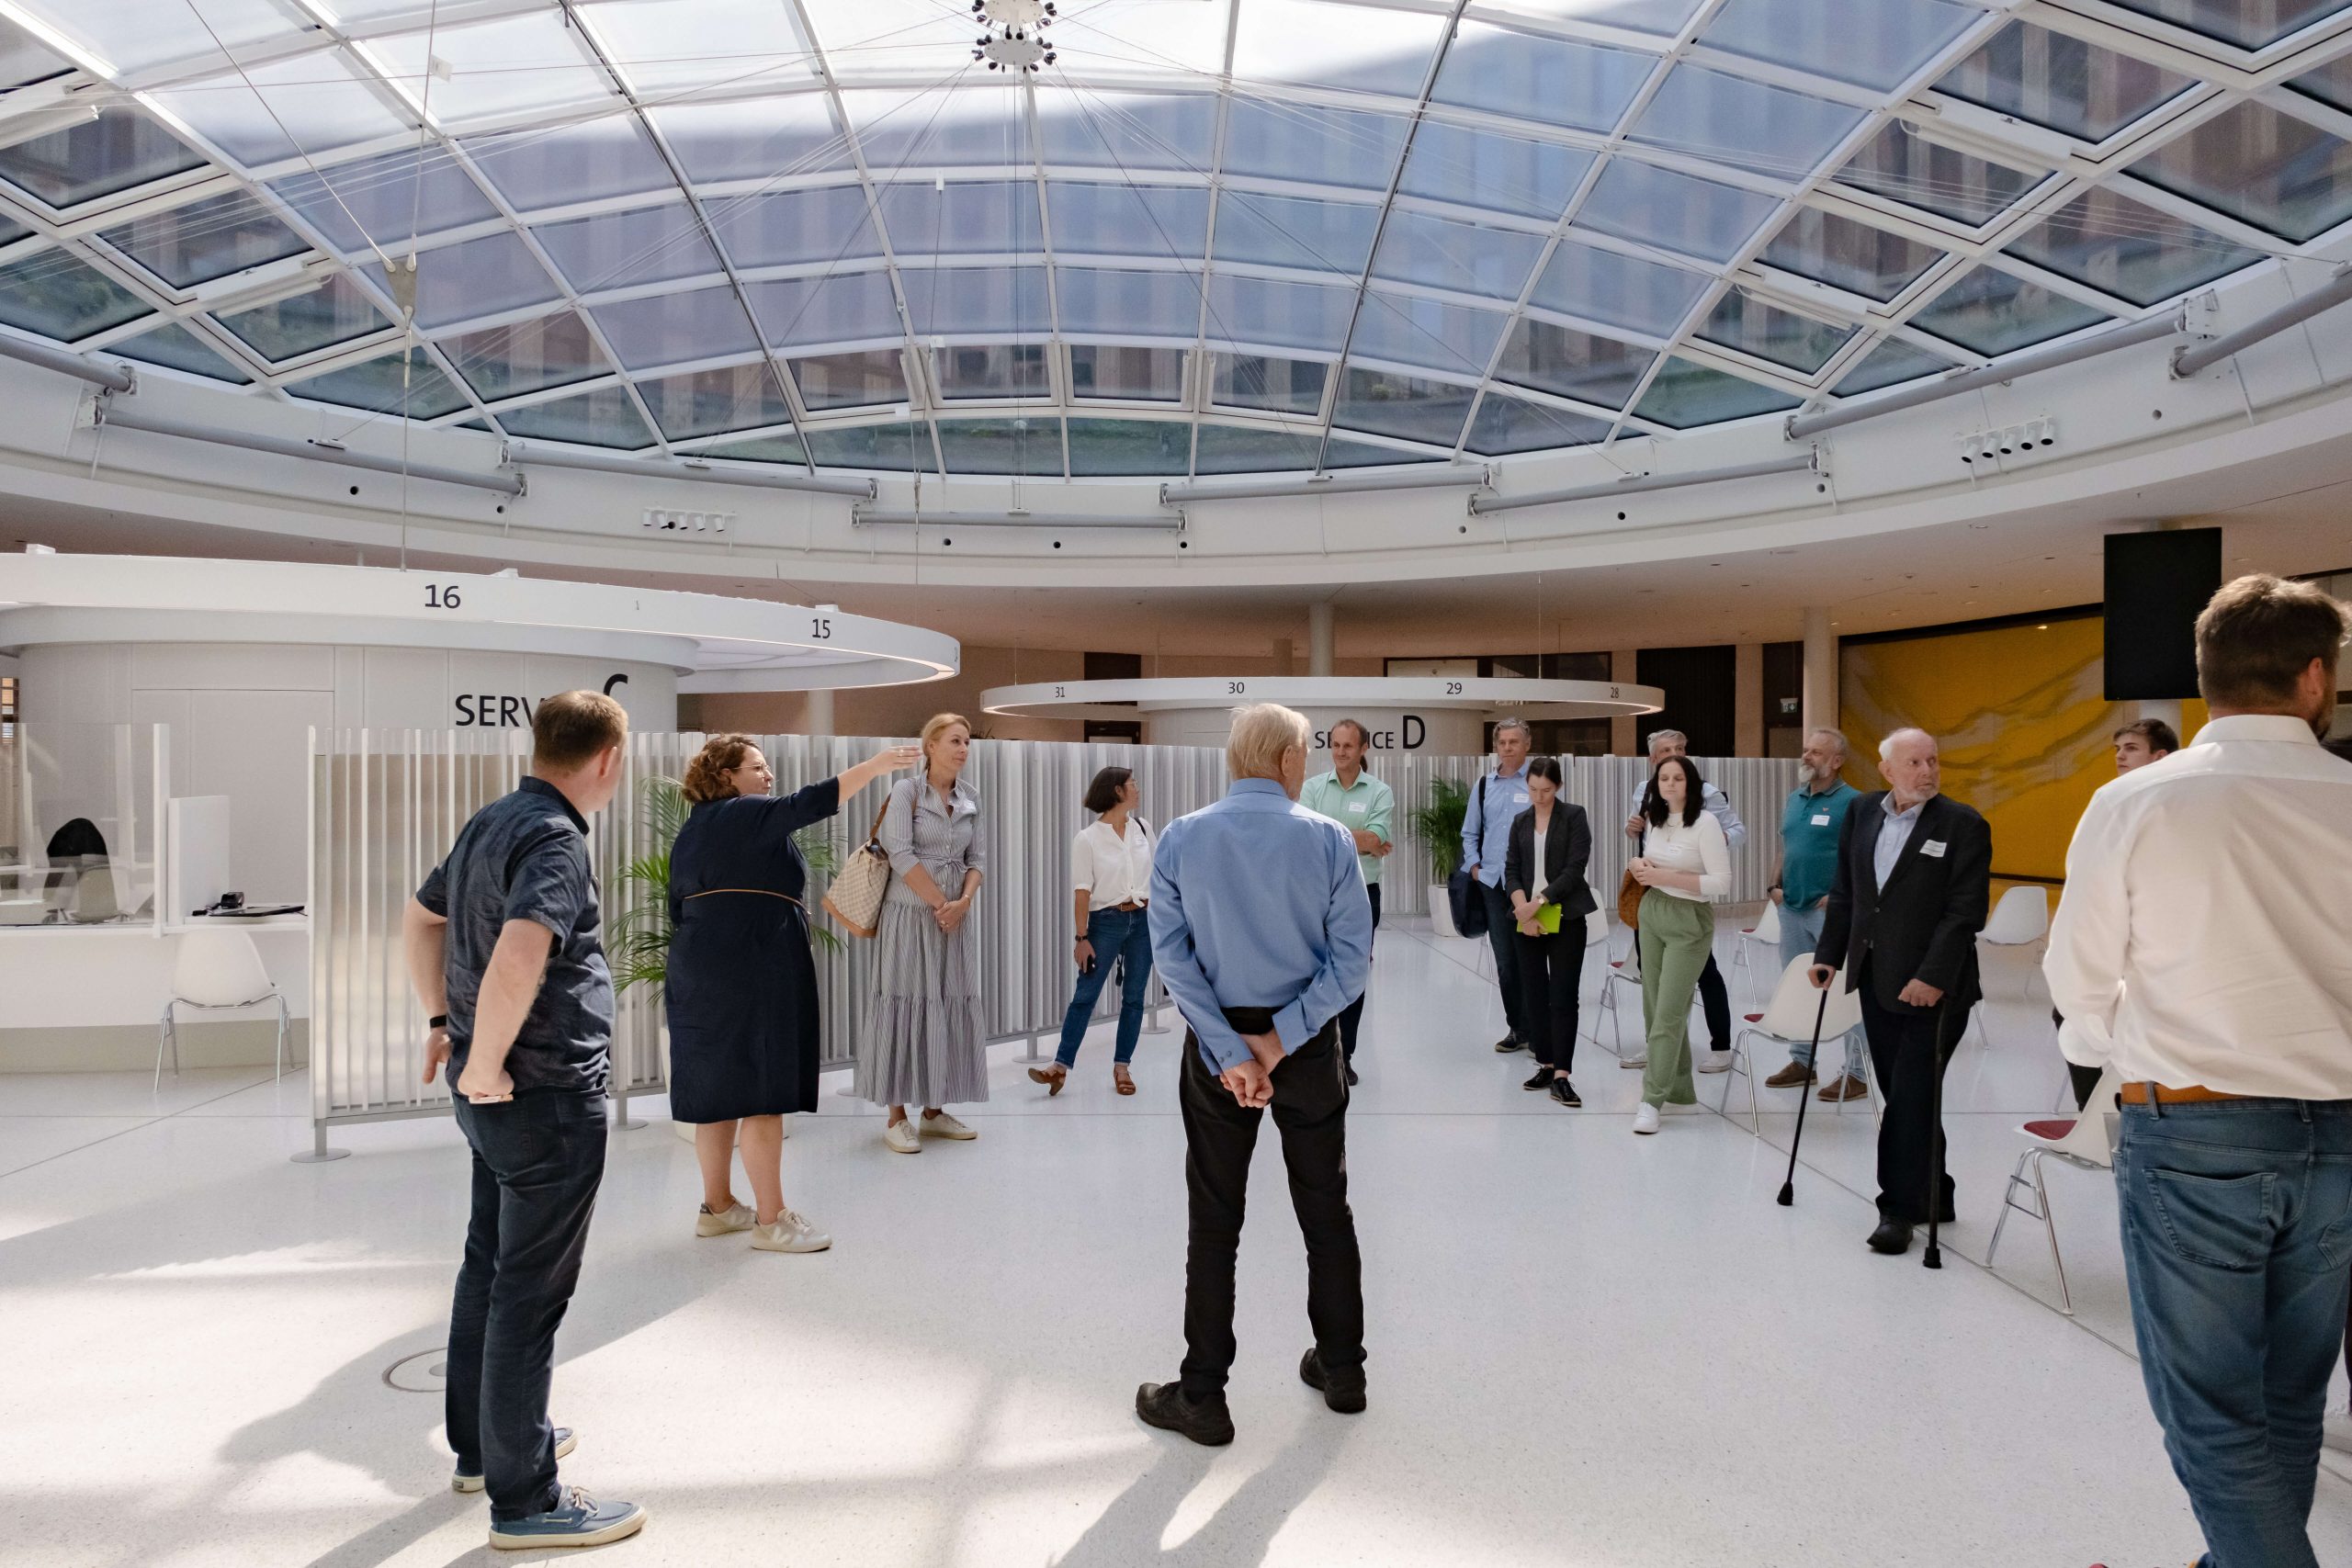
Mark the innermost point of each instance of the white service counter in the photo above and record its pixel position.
(88, 999)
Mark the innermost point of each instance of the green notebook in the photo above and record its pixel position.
(1547, 920)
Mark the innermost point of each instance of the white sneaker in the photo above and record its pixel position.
(1636, 1063)
(1714, 1061)
(737, 1217)
(1645, 1119)
(2336, 1433)
(901, 1137)
(791, 1233)
(946, 1126)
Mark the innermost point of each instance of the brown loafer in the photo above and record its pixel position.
(1053, 1075)
(1122, 1077)
(1846, 1087)
(1790, 1077)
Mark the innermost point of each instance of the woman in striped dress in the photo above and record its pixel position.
(922, 1043)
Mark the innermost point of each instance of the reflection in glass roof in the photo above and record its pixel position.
(1203, 241)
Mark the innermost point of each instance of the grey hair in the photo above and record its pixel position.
(1886, 747)
(1837, 735)
(1519, 724)
(1262, 732)
(1660, 737)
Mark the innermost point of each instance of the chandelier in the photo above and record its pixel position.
(1015, 39)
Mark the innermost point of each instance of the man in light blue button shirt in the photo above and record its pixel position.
(1495, 801)
(1261, 932)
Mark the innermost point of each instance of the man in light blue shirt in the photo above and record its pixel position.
(1262, 931)
(1365, 807)
(1495, 801)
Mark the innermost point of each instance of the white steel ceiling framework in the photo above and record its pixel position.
(1214, 236)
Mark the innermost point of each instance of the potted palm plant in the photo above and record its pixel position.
(1438, 824)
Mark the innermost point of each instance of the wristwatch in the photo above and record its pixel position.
(438, 1021)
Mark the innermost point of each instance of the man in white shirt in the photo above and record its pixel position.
(2200, 952)
(1714, 997)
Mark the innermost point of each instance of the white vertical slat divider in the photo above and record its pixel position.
(384, 809)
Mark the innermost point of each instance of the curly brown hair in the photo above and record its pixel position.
(706, 774)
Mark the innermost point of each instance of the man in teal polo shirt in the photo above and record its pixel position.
(1364, 805)
(1809, 828)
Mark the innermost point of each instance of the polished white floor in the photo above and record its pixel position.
(1587, 1348)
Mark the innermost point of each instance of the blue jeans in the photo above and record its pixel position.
(1124, 935)
(1799, 935)
(2237, 1242)
(539, 1160)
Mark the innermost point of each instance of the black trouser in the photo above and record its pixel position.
(1551, 967)
(539, 1160)
(1902, 1040)
(1502, 933)
(1714, 1000)
(1351, 1016)
(1310, 1112)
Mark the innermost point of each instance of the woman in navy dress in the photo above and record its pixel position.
(741, 985)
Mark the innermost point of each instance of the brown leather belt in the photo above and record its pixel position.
(2141, 1091)
(1130, 906)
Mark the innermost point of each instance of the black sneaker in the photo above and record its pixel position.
(1509, 1044)
(1543, 1079)
(1163, 1405)
(1565, 1092)
(1344, 1392)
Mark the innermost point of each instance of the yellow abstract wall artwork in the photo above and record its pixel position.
(2017, 708)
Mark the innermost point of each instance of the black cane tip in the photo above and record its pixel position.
(1788, 1194)
(1934, 1259)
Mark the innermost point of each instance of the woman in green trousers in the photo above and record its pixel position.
(1684, 861)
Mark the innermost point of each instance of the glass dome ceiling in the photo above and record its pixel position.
(1212, 236)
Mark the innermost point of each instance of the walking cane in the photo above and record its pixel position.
(1789, 1186)
(1936, 1152)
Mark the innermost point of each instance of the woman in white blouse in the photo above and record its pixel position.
(1110, 862)
(1684, 861)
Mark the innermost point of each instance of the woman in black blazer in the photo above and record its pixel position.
(1551, 964)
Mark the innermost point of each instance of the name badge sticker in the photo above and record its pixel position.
(1822, 820)
(1357, 808)
(1933, 847)
(1518, 798)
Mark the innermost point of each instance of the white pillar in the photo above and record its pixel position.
(1319, 637)
(820, 711)
(1820, 673)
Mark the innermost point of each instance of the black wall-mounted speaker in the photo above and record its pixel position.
(2156, 585)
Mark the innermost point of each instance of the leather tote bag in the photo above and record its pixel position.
(855, 897)
(1629, 902)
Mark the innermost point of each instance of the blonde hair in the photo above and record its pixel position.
(937, 725)
(706, 774)
(1261, 733)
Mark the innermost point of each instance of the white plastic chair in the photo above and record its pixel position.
(1625, 971)
(1787, 1018)
(1765, 933)
(217, 970)
(2021, 918)
(2086, 1142)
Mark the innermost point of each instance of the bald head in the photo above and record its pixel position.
(1911, 765)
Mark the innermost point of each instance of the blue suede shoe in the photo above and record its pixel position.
(577, 1520)
(566, 1440)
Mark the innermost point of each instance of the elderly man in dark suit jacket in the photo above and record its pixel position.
(1914, 875)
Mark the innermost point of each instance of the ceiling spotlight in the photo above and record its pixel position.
(1015, 39)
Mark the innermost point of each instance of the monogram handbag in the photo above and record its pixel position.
(855, 897)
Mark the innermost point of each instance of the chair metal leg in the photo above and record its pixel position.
(2050, 1227)
(165, 1034)
(2009, 1202)
(1742, 1065)
(282, 1017)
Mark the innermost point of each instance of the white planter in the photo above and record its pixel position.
(1440, 911)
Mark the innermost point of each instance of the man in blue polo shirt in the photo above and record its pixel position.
(505, 949)
(1809, 827)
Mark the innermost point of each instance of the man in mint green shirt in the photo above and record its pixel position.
(1364, 805)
